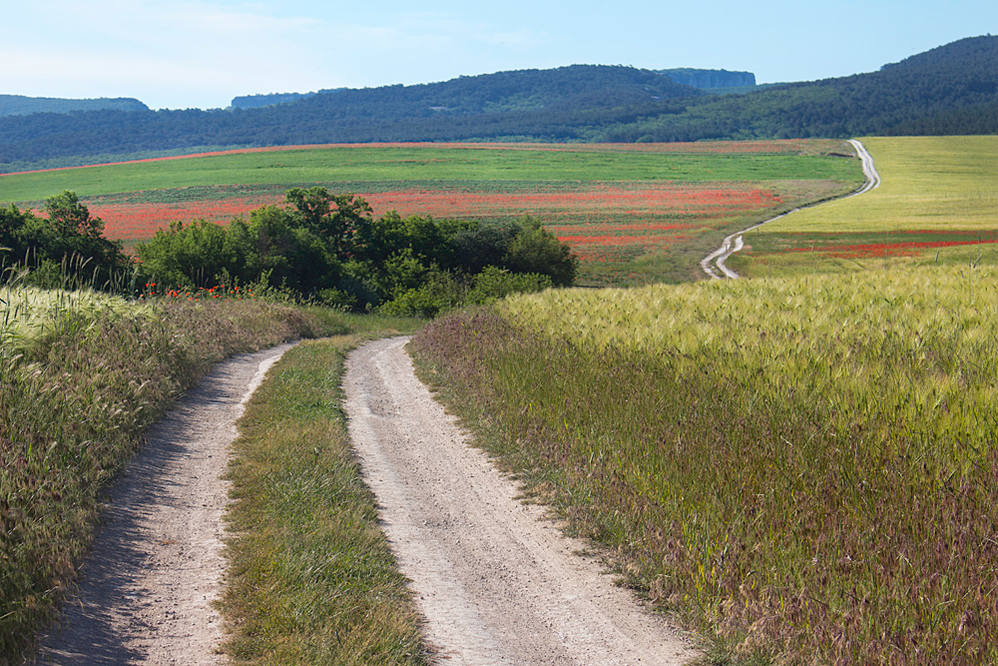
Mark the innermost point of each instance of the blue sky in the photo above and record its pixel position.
(201, 53)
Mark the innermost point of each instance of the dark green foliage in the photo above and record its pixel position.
(441, 291)
(329, 247)
(336, 217)
(257, 101)
(323, 246)
(534, 250)
(493, 283)
(193, 254)
(68, 244)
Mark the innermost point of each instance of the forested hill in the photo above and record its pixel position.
(546, 104)
(949, 90)
(574, 87)
(15, 105)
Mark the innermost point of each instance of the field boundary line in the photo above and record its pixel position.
(735, 242)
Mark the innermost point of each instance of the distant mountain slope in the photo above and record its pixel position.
(576, 86)
(18, 105)
(952, 89)
(502, 91)
(702, 79)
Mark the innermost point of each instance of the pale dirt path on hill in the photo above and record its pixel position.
(146, 586)
(713, 264)
(497, 582)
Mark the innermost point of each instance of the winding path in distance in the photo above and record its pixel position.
(713, 263)
(497, 582)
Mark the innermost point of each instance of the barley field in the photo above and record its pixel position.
(804, 468)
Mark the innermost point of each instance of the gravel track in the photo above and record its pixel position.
(147, 584)
(497, 582)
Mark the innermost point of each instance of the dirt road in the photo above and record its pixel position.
(497, 583)
(713, 264)
(146, 587)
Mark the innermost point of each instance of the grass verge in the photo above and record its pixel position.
(311, 578)
(804, 468)
(75, 396)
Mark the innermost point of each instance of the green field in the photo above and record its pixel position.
(802, 468)
(939, 196)
(634, 213)
(402, 164)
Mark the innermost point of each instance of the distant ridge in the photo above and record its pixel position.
(702, 79)
(19, 105)
(710, 79)
(952, 89)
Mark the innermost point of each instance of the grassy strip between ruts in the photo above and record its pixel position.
(311, 579)
(806, 468)
(75, 397)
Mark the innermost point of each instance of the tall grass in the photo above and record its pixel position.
(805, 468)
(76, 392)
(29, 313)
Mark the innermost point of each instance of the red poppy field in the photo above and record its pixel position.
(633, 213)
(607, 225)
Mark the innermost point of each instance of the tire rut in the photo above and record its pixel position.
(147, 585)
